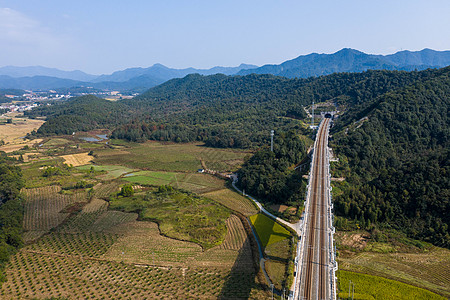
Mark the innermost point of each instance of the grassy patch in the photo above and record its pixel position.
(276, 271)
(56, 142)
(268, 231)
(180, 215)
(375, 287)
(91, 145)
(33, 174)
(279, 250)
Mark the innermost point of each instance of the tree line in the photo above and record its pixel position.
(270, 175)
(11, 210)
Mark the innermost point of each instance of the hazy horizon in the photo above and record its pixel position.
(102, 37)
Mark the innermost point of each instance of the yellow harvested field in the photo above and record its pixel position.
(79, 159)
(13, 133)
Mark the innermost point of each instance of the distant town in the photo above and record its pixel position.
(31, 99)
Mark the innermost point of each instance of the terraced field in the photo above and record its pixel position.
(79, 249)
(103, 190)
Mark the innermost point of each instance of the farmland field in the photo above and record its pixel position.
(79, 248)
(374, 287)
(180, 215)
(199, 183)
(101, 254)
(275, 241)
(398, 258)
(13, 133)
(44, 209)
(169, 157)
(112, 172)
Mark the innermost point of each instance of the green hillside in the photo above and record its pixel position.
(398, 156)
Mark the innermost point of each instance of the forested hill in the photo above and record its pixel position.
(239, 111)
(80, 114)
(223, 111)
(397, 148)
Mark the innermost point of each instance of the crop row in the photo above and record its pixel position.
(90, 244)
(35, 275)
(43, 207)
(236, 234)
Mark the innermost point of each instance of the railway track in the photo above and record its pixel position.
(314, 280)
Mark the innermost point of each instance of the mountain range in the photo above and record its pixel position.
(350, 60)
(140, 79)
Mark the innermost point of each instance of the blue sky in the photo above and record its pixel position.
(99, 36)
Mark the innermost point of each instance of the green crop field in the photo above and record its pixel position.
(268, 231)
(375, 287)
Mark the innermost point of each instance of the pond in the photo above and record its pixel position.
(102, 136)
(89, 139)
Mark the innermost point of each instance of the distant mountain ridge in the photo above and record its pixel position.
(141, 79)
(163, 73)
(18, 72)
(138, 79)
(350, 60)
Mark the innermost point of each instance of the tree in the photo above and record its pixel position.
(127, 190)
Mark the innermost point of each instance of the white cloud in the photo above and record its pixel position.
(26, 41)
(16, 29)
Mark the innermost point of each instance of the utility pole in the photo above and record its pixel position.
(349, 285)
(353, 290)
(312, 115)
(271, 285)
(271, 140)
